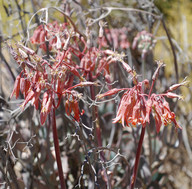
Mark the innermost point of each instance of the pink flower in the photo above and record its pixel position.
(144, 42)
(116, 37)
(110, 92)
(73, 106)
(95, 61)
(132, 108)
(162, 112)
(16, 87)
(45, 107)
(136, 107)
(176, 86)
(41, 34)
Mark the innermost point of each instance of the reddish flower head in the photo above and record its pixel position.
(46, 106)
(16, 87)
(72, 106)
(162, 113)
(136, 107)
(132, 108)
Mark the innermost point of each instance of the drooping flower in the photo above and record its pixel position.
(50, 33)
(40, 82)
(45, 107)
(132, 108)
(16, 87)
(136, 107)
(176, 86)
(53, 35)
(118, 38)
(24, 86)
(110, 92)
(95, 61)
(72, 106)
(162, 113)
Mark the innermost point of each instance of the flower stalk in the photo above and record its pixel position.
(138, 154)
(57, 150)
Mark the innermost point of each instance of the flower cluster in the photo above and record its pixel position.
(161, 112)
(53, 33)
(44, 82)
(96, 61)
(73, 105)
(136, 105)
(132, 108)
(39, 78)
(116, 37)
(70, 61)
(144, 42)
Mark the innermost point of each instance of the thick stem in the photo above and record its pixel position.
(57, 150)
(133, 178)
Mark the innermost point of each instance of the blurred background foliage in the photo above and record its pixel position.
(172, 163)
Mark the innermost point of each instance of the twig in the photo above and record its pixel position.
(46, 20)
(110, 9)
(7, 65)
(20, 17)
(172, 48)
(9, 168)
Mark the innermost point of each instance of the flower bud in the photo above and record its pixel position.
(155, 75)
(108, 93)
(175, 86)
(173, 95)
(23, 54)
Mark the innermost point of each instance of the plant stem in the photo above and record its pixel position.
(57, 150)
(95, 115)
(151, 87)
(133, 178)
(97, 129)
